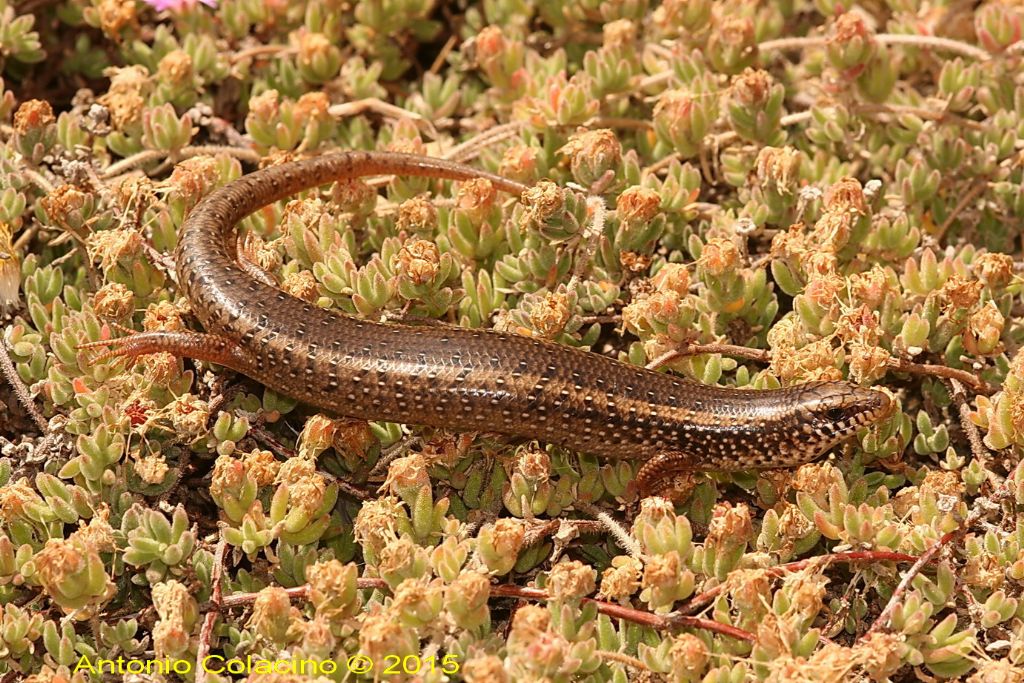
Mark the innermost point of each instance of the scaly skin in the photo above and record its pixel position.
(471, 380)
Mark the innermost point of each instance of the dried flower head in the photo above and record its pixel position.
(552, 315)
(752, 87)
(960, 292)
(125, 98)
(163, 316)
(113, 300)
(33, 115)
(778, 168)
(846, 194)
(485, 669)
(273, 615)
(689, 654)
(592, 153)
(674, 278)
(543, 201)
(408, 474)
(519, 162)
(859, 324)
(984, 330)
(152, 468)
(719, 256)
(571, 580)
(262, 466)
(115, 15)
(175, 68)
(868, 363)
(730, 525)
(73, 575)
(15, 498)
(619, 33)
(621, 580)
(382, 636)
(189, 416)
(332, 589)
(377, 522)
(301, 284)
(313, 46)
(994, 269)
(879, 653)
(313, 106)
(476, 198)
(64, 205)
(417, 261)
(832, 230)
(193, 178)
(417, 215)
(872, 287)
(638, 204)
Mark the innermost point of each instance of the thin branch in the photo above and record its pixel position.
(470, 148)
(38, 179)
(977, 384)
(810, 42)
(621, 658)
(915, 569)
(386, 109)
(21, 392)
(760, 355)
(261, 51)
(791, 43)
(930, 42)
(442, 55)
(536, 534)
(728, 137)
(920, 112)
(259, 433)
(701, 601)
(618, 122)
(976, 189)
(217, 603)
(25, 237)
(395, 450)
(935, 43)
(297, 593)
(149, 155)
(604, 318)
(981, 505)
(978, 449)
(351, 490)
(656, 621)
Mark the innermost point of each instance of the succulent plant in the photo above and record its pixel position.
(751, 195)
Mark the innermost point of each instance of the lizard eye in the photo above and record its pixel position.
(835, 414)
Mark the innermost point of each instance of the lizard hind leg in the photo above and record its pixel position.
(658, 475)
(196, 345)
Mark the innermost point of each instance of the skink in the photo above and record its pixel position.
(475, 380)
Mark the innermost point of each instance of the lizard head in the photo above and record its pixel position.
(834, 411)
